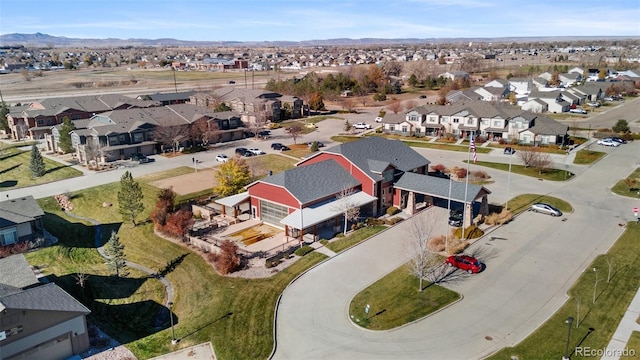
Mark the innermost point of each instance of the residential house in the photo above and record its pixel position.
(20, 220)
(455, 75)
(542, 130)
(363, 174)
(521, 86)
(38, 321)
(536, 106)
(589, 91)
(554, 100)
(119, 134)
(168, 98)
(35, 120)
(570, 79)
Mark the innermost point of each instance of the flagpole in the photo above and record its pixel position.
(466, 186)
(446, 235)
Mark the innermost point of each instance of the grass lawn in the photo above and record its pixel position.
(634, 343)
(235, 314)
(549, 174)
(587, 157)
(15, 173)
(355, 237)
(612, 300)
(445, 146)
(522, 203)
(395, 300)
(621, 188)
(274, 162)
(298, 150)
(345, 138)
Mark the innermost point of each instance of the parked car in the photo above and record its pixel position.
(231, 82)
(264, 134)
(255, 151)
(593, 104)
(464, 262)
(378, 119)
(509, 151)
(608, 142)
(241, 151)
(277, 146)
(423, 96)
(222, 158)
(455, 218)
(140, 158)
(285, 148)
(545, 209)
(320, 144)
(608, 98)
(362, 125)
(578, 111)
(619, 140)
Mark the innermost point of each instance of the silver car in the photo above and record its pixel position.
(545, 209)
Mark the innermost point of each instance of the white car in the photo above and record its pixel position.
(608, 142)
(222, 158)
(578, 111)
(545, 209)
(255, 151)
(362, 125)
(378, 119)
(593, 104)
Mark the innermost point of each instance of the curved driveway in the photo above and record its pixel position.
(528, 274)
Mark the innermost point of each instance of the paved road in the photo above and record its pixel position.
(527, 277)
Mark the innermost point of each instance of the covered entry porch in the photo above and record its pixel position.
(441, 192)
(325, 219)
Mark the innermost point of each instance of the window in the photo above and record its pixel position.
(470, 121)
(433, 119)
(456, 120)
(392, 127)
(413, 118)
(272, 213)
(8, 236)
(113, 140)
(497, 123)
(485, 122)
(138, 137)
(122, 138)
(404, 128)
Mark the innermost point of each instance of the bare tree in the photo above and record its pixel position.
(528, 156)
(611, 267)
(409, 105)
(345, 205)
(392, 68)
(423, 263)
(395, 106)
(170, 135)
(542, 161)
(204, 130)
(295, 131)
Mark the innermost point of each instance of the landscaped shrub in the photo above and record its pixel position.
(438, 167)
(502, 141)
(393, 221)
(373, 221)
(302, 251)
(436, 244)
(340, 235)
(194, 149)
(461, 173)
(227, 259)
(480, 139)
(471, 232)
(357, 226)
(479, 174)
(324, 242)
(498, 218)
(17, 248)
(392, 210)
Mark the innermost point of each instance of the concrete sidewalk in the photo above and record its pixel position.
(628, 324)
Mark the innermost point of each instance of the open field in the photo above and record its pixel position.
(15, 173)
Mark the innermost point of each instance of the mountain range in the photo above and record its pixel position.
(45, 40)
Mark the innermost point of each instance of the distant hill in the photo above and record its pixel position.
(45, 40)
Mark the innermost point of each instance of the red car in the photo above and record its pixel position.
(464, 262)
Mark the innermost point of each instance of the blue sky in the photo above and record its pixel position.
(296, 20)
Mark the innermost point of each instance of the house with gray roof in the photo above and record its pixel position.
(39, 320)
(20, 220)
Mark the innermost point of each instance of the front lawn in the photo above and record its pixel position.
(395, 300)
(355, 237)
(584, 157)
(548, 174)
(522, 203)
(235, 314)
(630, 186)
(602, 317)
(15, 173)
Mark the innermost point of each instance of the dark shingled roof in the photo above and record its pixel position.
(380, 150)
(438, 187)
(18, 211)
(46, 297)
(312, 182)
(16, 272)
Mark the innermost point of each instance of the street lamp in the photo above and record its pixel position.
(506, 203)
(173, 333)
(569, 321)
(595, 285)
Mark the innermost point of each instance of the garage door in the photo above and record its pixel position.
(56, 349)
(272, 213)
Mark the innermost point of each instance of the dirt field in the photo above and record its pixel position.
(189, 183)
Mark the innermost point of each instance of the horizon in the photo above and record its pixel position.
(194, 20)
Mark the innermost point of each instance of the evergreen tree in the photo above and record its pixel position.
(130, 198)
(37, 163)
(4, 111)
(65, 135)
(116, 260)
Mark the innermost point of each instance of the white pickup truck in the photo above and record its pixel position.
(362, 125)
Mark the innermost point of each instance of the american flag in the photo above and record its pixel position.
(472, 144)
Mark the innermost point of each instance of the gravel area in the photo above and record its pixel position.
(255, 268)
(103, 347)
